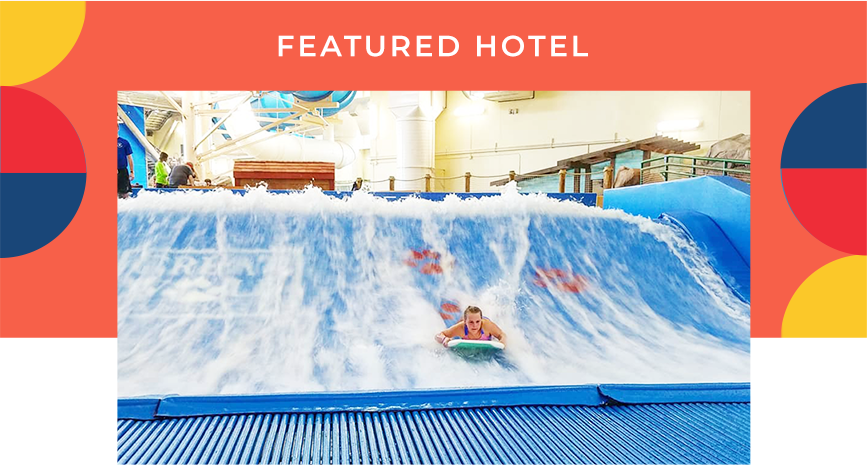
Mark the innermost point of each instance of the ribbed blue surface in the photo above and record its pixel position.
(696, 432)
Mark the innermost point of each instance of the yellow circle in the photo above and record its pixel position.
(35, 37)
(832, 302)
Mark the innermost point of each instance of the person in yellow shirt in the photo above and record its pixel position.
(161, 171)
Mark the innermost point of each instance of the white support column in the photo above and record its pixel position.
(415, 148)
(203, 138)
(187, 102)
(416, 114)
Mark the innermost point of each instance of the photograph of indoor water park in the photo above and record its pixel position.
(433, 277)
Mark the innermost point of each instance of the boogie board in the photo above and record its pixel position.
(475, 349)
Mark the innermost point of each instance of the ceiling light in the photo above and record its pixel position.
(470, 110)
(678, 125)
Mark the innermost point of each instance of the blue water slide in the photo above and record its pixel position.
(284, 100)
(342, 97)
(274, 105)
(311, 95)
(221, 128)
(277, 101)
(271, 100)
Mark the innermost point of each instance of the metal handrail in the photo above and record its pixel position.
(665, 166)
(687, 157)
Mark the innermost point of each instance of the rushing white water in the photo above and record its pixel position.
(221, 293)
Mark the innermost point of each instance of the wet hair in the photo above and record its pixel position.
(164, 156)
(472, 309)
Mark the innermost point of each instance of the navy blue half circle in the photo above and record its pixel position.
(36, 208)
(830, 132)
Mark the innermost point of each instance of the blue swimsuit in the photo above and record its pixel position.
(481, 338)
